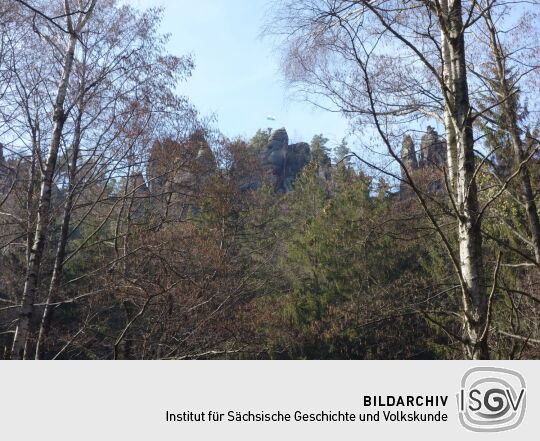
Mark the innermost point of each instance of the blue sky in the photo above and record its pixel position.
(237, 74)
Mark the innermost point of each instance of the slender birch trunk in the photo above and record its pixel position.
(451, 154)
(58, 268)
(30, 208)
(458, 113)
(22, 332)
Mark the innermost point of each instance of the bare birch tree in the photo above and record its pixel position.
(390, 64)
(75, 23)
(114, 96)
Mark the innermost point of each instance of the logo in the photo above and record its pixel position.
(491, 399)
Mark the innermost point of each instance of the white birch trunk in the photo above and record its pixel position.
(58, 268)
(458, 114)
(22, 332)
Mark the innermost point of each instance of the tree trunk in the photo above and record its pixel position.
(451, 142)
(459, 115)
(54, 283)
(22, 331)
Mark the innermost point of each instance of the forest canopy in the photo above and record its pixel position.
(132, 228)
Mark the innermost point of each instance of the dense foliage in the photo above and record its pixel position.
(132, 229)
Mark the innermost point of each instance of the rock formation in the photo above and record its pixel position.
(178, 170)
(431, 156)
(410, 162)
(283, 160)
(408, 153)
(274, 156)
(432, 151)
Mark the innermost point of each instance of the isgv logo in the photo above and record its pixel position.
(491, 399)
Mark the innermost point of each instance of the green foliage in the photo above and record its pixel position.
(319, 149)
(342, 269)
(259, 140)
(341, 153)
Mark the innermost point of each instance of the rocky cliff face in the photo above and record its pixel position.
(410, 162)
(283, 160)
(180, 166)
(431, 156)
(408, 153)
(432, 151)
(177, 171)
